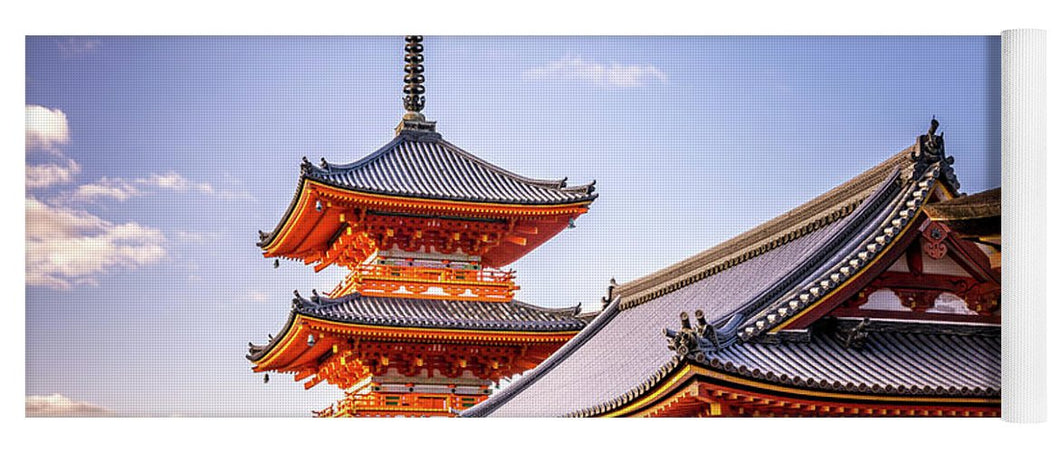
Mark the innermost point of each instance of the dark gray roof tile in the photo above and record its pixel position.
(513, 316)
(426, 166)
(453, 314)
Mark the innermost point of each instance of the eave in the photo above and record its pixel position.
(304, 230)
(679, 375)
(290, 347)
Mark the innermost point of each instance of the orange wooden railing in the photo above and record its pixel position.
(430, 274)
(392, 404)
(415, 281)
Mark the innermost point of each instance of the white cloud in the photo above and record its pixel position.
(123, 189)
(66, 247)
(614, 75)
(257, 296)
(60, 406)
(47, 175)
(113, 188)
(175, 181)
(46, 129)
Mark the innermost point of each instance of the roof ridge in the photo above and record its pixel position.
(560, 310)
(371, 157)
(806, 218)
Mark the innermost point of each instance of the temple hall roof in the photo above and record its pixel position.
(747, 286)
(590, 363)
(890, 363)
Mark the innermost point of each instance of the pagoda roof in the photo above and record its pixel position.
(428, 314)
(423, 165)
(752, 284)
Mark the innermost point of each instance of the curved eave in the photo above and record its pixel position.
(300, 206)
(676, 374)
(584, 191)
(291, 343)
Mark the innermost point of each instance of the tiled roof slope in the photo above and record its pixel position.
(358, 309)
(623, 348)
(890, 363)
(809, 216)
(427, 166)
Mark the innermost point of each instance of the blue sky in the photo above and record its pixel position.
(152, 162)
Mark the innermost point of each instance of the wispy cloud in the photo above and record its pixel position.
(614, 75)
(257, 296)
(46, 129)
(71, 47)
(109, 188)
(175, 181)
(57, 405)
(119, 189)
(47, 175)
(67, 247)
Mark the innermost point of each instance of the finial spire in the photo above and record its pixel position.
(414, 124)
(414, 89)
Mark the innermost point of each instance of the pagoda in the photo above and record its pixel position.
(425, 323)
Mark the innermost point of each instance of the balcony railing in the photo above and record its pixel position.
(399, 404)
(429, 283)
(430, 274)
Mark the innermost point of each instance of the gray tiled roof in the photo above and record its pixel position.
(426, 166)
(754, 275)
(621, 349)
(890, 363)
(447, 314)
(430, 313)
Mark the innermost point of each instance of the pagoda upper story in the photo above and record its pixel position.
(422, 207)
(421, 217)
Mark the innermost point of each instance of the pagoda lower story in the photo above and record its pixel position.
(398, 356)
